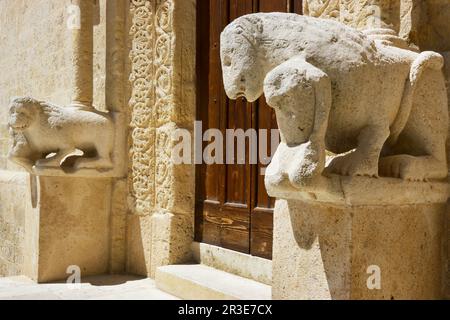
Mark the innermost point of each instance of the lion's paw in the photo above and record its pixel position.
(352, 165)
(401, 166)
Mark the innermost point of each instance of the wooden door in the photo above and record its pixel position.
(233, 209)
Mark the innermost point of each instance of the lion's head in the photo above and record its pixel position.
(25, 112)
(22, 113)
(243, 73)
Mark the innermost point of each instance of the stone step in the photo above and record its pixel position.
(200, 282)
(234, 262)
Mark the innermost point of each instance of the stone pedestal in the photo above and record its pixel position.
(339, 251)
(70, 226)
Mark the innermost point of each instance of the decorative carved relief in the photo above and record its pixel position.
(329, 9)
(361, 14)
(48, 139)
(152, 93)
(45, 135)
(382, 109)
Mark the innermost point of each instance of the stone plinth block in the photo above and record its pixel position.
(338, 190)
(71, 228)
(358, 252)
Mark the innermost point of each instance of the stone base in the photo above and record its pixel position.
(199, 282)
(157, 240)
(322, 252)
(71, 228)
(363, 191)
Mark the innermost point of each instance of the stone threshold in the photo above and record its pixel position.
(237, 263)
(200, 282)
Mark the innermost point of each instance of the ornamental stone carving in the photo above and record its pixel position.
(381, 109)
(46, 135)
(76, 140)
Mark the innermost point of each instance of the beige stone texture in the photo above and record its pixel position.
(172, 236)
(199, 282)
(360, 14)
(376, 127)
(233, 262)
(118, 227)
(46, 137)
(380, 201)
(13, 215)
(78, 140)
(324, 253)
(139, 245)
(119, 287)
(146, 221)
(74, 227)
(53, 223)
(157, 240)
(162, 102)
(425, 23)
(83, 53)
(337, 190)
(37, 59)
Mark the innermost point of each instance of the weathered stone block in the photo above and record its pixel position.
(322, 252)
(73, 227)
(172, 236)
(15, 207)
(139, 244)
(174, 191)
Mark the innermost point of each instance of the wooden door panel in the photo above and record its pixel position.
(233, 209)
(239, 116)
(261, 220)
(215, 114)
(226, 226)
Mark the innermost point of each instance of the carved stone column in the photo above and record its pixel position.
(83, 54)
(163, 100)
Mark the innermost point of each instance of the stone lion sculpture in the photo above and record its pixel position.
(44, 135)
(383, 109)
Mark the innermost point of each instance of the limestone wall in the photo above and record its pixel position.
(13, 186)
(35, 55)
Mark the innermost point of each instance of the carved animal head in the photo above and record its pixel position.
(295, 109)
(243, 73)
(22, 113)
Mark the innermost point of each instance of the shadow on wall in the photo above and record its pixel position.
(156, 240)
(431, 29)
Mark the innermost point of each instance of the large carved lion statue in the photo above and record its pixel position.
(44, 135)
(382, 108)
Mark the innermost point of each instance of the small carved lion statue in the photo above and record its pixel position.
(383, 109)
(44, 135)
